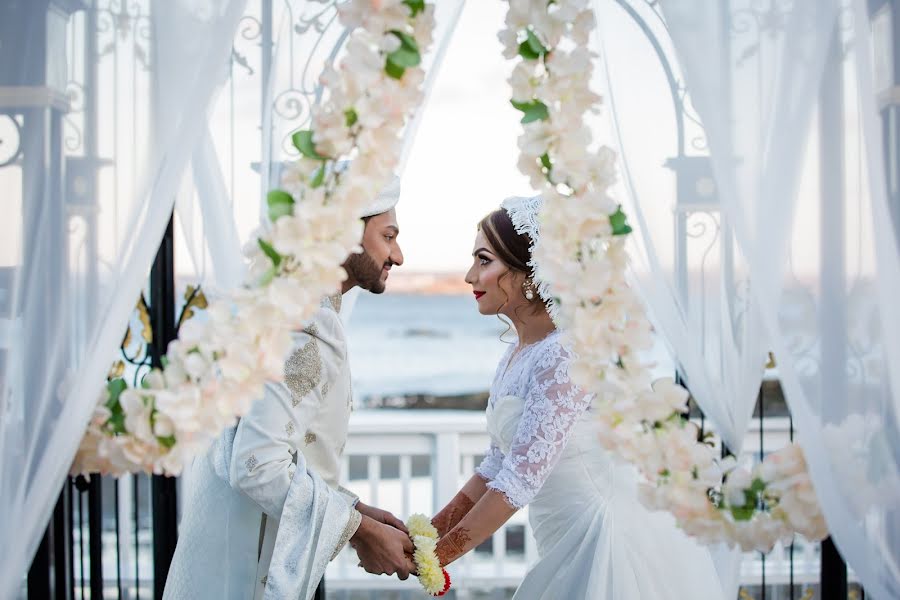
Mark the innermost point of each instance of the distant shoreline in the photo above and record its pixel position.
(427, 283)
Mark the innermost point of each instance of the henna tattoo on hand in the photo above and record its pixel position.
(452, 514)
(452, 546)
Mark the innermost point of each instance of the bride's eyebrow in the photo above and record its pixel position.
(481, 250)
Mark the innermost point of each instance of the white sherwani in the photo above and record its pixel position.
(264, 513)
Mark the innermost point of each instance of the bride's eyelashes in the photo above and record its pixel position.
(483, 260)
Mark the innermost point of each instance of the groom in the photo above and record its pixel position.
(265, 513)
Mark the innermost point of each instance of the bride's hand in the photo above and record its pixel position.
(382, 516)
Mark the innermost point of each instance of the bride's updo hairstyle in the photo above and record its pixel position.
(511, 247)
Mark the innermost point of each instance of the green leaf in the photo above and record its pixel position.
(617, 221)
(270, 252)
(164, 361)
(268, 276)
(532, 48)
(407, 42)
(757, 487)
(416, 6)
(545, 160)
(535, 43)
(115, 389)
(393, 70)
(304, 143)
(116, 421)
(280, 204)
(533, 111)
(741, 513)
(166, 441)
(318, 177)
(404, 57)
(351, 117)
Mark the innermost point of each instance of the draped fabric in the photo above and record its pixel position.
(784, 97)
(81, 229)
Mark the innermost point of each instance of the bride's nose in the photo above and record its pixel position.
(470, 276)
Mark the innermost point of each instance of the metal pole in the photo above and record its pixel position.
(163, 319)
(95, 539)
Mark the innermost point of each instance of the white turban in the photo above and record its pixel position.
(385, 200)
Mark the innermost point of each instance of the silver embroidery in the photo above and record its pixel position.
(252, 462)
(334, 301)
(303, 370)
(264, 580)
(349, 530)
(325, 388)
(289, 428)
(309, 438)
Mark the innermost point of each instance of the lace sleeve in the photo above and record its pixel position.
(491, 463)
(553, 405)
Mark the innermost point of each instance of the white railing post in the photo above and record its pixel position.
(445, 468)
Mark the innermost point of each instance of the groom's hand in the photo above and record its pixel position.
(382, 516)
(383, 549)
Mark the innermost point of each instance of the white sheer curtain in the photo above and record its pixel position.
(76, 256)
(684, 258)
(785, 94)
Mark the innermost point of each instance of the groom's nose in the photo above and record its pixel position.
(396, 256)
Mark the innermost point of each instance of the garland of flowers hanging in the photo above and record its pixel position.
(218, 367)
(581, 255)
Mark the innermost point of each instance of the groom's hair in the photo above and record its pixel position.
(511, 247)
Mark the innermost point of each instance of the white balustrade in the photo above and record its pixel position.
(448, 446)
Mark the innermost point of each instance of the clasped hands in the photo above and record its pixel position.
(383, 544)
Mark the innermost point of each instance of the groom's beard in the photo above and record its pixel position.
(366, 272)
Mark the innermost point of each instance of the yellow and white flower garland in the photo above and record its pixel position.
(217, 368)
(581, 256)
(432, 576)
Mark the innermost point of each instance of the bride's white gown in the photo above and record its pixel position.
(594, 538)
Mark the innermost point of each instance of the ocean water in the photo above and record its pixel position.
(409, 344)
(405, 344)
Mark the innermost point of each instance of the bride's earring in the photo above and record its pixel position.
(528, 289)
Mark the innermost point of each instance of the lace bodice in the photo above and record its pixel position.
(551, 406)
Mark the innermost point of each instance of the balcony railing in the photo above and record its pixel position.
(414, 461)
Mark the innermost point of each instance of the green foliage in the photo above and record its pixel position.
(350, 117)
(532, 48)
(416, 6)
(404, 57)
(303, 142)
(280, 203)
(545, 160)
(318, 177)
(116, 422)
(269, 251)
(618, 222)
(533, 111)
(166, 441)
(751, 500)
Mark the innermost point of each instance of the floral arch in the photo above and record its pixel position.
(215, 369)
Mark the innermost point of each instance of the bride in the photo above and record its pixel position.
(594, 538)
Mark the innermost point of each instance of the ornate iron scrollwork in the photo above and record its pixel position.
(10, 139)
(138, 339)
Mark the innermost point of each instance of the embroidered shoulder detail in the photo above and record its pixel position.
(303, 370)
(289, 428)
(309, 438)
(251, 463)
